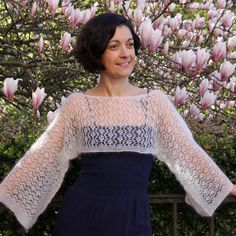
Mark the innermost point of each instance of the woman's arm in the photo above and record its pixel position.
(37, 176)
(205, 184)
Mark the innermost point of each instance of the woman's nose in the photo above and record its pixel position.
(124, 51)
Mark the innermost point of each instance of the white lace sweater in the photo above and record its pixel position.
(146, 123)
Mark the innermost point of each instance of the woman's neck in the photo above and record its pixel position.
(112, 88)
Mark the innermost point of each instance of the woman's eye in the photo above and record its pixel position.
(113, 46)
(131, 45)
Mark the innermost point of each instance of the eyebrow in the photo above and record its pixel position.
(117, 41)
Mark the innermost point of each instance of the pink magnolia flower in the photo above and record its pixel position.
(202, 57)
(185, 43)
(226, 70)
(180, 96)
(10, 87)
(87, 16)
(167, 32)
(216, 83)
(159, 23)
(212, 13)
(207, 5)
(34, 9)
(155, 40)
(65, 41)
(68, 10)
(227, 19)
(221, 4)
(51, 116)
(146, 30)
(53, 4)
(141, 4)
(66, 7)
(195, 112)
(189, 35)
(181, 33)
(76, 17)
(138, 15)
(187, 24)
(198, 22)
(219, 51)
(177, 60)
(174, 23)
(37, 113)
(204, 85)
(40, 45)
(210, 25)
(193, 6)
(185, 113)
(218, 32)
(188, 60)
(198, 39)
(193, 109)
(37, 98)
(208, 100)
(231, 43)
(179, 17)
(221, 104)
(232, 85)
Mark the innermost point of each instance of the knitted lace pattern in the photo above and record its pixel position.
(147, 123)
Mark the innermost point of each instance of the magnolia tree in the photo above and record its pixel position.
(188, 50)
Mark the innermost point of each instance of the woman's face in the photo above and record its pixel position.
(119, 56)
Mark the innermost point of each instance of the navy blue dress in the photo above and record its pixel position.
(109, 198)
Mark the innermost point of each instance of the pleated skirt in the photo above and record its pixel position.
(109, 197)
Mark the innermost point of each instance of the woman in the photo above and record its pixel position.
(117, 129)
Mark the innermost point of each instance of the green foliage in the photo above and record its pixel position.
(19, 131)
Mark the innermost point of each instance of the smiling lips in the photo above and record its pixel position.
(123, 64)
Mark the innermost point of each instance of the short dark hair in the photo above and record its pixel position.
(94, 37)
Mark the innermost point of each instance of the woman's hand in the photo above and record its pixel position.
(233, 192)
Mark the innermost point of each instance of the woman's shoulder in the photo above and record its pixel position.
(74, 99)
(159, 97)
(75, 95)
(157, 92)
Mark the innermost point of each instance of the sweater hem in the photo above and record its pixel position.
(208, 210)
(26, 221)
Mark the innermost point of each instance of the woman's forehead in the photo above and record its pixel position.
(122, 33)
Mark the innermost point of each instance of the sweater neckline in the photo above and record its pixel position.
(117, 97)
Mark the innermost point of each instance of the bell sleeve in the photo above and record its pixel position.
(32, 183)
(205, 184)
